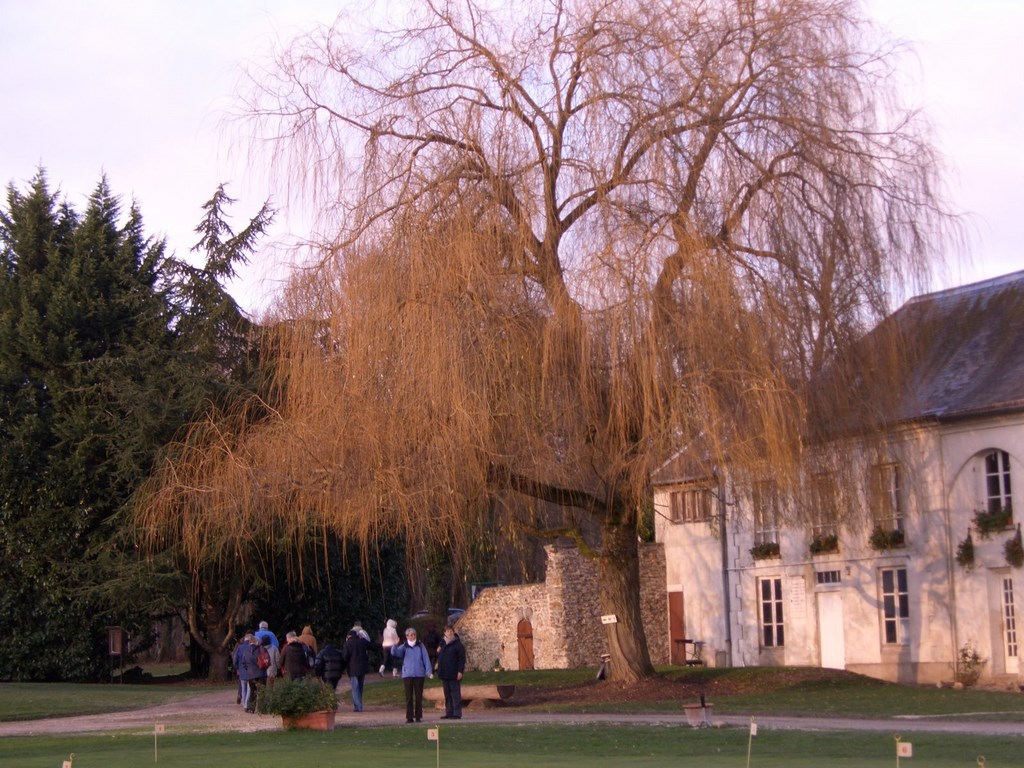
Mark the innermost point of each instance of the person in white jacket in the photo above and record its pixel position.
(389, 640)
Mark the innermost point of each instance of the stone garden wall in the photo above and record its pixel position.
(563, 613)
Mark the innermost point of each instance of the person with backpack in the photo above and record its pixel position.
(329, 664)
(273, 659)
(309, 640)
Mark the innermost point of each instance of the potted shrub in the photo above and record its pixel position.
(965, 552)
(306, 703)
(883, 538)
(989, 521)
(824, 543)
(765, 550)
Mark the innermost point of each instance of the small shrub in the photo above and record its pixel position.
(295, 698)
(968, 665)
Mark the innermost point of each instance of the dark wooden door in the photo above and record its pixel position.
(676, 628)
(524, 636)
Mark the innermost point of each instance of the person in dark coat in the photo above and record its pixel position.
(356, 653)
(451, 664)
(293, 658)
(329, 664)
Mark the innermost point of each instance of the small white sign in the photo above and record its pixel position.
(753, 729)
(158, 728)
(610, 618)
(431, 734)
(904, 749)
(67, 764)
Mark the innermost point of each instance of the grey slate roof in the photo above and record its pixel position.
(964, 355)
(967, 350)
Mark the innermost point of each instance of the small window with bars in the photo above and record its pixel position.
(828, 577)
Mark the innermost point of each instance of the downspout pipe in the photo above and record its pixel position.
(726, 581)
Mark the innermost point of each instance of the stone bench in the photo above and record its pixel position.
(480, 695)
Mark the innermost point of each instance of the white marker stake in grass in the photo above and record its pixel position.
(434, 734)
(158, 728)
(903, 749)
(67, 763)
(750, 739)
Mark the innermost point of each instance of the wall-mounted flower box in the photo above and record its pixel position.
(989, 521)
(884, 538)
(765, 551)
(824, 543)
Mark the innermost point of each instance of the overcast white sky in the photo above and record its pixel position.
(136, 89)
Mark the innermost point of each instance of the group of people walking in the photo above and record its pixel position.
(259, 660)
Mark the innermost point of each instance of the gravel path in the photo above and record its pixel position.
(217, 712)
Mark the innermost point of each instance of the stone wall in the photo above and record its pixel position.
(564, 615)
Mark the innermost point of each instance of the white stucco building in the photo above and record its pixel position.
(819, 592)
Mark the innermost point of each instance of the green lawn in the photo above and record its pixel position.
(468, 745)
(32, 701)
(478, 746)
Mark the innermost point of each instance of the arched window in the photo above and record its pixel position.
(997, 481)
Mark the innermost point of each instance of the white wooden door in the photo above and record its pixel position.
(830, 630)
(1010, 647)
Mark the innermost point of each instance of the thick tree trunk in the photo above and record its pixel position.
(619, 570)
(219, 671)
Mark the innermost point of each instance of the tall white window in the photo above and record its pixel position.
(895, 606)
(766, 512)
(887, 497)
(772, 628)
(823, 505)
(997, 481)
(691, 505)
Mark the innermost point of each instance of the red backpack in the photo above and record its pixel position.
(262, 658)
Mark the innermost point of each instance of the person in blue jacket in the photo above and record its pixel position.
(415, 668)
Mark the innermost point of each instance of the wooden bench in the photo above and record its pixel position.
(480, 695)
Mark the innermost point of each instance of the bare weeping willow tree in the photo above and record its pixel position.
(570, 238)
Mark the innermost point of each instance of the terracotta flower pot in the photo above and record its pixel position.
(314, 721)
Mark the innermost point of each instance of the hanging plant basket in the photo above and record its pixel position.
(965, 553)
(1014, 549)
